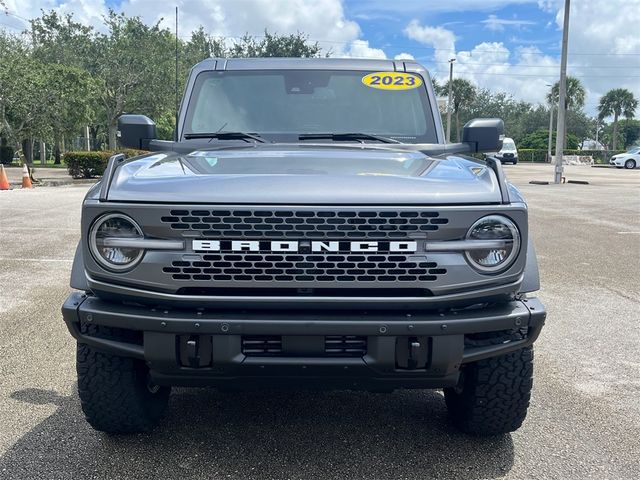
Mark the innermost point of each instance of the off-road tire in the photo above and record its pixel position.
(630, 164)
(115, 392)
(493, 395)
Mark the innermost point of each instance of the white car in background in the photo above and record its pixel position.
(630, 159)
(509, 152)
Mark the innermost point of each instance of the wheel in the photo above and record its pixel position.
(630, 164)
(115, 392)
(493, 395)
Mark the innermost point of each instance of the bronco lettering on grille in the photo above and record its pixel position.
(302, 246)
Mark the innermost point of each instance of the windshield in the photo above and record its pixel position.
(634, 150)
(508, 145)
(280, 105)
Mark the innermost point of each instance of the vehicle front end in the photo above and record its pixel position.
(369, 265)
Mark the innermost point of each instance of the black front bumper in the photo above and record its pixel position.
(215, 355)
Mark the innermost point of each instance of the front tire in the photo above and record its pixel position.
(493, 395)
(115, 392)
(630, 164)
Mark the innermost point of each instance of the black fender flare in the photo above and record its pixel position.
(78, 276)
(531, 279)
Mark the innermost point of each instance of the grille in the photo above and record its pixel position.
(262, 345)
(253, 267)
(334, 346)
(304, 223)
(345, 346)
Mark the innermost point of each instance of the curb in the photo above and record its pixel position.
(57, 183)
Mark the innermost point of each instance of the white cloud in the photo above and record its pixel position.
(604, 46)
(604, 53)
(88, 12)
(321, 19)
(441, 39)
(404, 56)
(497, 24)
(489, 64)
(361, 49)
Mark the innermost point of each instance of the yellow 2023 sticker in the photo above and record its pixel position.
(392, 80)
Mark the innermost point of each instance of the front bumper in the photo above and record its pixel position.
(446, 340)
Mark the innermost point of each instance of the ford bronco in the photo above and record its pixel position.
(308, 226)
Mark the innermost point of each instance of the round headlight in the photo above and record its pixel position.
(103, 242)
(503, 244)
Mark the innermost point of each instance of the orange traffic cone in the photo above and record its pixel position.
(26, 181)
(4, 181)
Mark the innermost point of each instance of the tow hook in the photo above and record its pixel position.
(412, 353)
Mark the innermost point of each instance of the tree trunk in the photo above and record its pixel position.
(113, 129)
(56, 150)
(457, 127)
(27, 151)
(615, 131)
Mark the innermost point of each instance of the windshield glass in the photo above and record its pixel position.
(508, 145)
(282, 104)
(634, 150)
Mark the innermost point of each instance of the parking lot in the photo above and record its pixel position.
(584, 421)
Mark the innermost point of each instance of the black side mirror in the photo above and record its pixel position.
(484, 134)
(136, 131)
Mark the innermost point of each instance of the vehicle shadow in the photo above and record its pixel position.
(265, 434)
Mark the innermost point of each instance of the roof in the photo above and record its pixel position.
(307, 64)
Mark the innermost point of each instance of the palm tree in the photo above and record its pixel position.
(616, 102)
(574, 98)
(463, 94)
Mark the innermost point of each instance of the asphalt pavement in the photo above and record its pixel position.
(584, 421)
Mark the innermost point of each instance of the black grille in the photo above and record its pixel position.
(255, 267)
(334, 346)
(304, 223)
(345, 346)
(262, 345)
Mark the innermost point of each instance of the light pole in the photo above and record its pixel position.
(562, 101)
(449, 101)
(551, 107)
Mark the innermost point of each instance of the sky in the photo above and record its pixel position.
(503, 45)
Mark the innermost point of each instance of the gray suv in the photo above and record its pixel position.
(307, 227)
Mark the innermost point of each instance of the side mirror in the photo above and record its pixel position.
(484, 134)
(136, 131)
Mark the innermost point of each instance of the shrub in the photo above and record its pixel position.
(92, 164)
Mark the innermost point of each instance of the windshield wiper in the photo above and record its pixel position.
(346, 137)
(227, 136)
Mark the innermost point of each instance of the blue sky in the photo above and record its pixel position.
(514, 25)
(511, 46)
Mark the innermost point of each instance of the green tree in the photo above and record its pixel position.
(574, 98)
(539, 140)
(134, 66)
(274, 45)
(69, 102)
(617, 102)
(59, 39)
(462, 95)
(201, 45)
(23, 93)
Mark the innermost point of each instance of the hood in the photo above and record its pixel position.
(305, 174)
